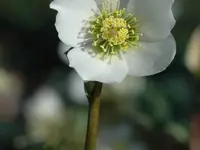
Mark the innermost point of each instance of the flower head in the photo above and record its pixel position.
(110, 41)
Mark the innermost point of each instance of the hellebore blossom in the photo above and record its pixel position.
(108, 39)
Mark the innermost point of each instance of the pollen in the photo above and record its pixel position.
(114, 31)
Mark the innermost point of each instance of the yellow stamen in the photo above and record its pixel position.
(114, 31)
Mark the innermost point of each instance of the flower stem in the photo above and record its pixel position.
(93, 117)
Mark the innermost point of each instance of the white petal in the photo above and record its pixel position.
(155, 17)
(93, 69)
(151, 58)
(71, 19)
(108, 4)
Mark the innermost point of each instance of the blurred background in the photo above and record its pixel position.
(42, 101)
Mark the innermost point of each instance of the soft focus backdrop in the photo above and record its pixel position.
(42, 101)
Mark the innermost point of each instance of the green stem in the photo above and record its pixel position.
(93, 117)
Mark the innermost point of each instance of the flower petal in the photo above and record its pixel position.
(91, 68)
(108, 4)
(151, 58)
(155, 17)
(71, 19)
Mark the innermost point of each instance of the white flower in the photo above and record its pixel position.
(192, 57)
(110, 42)
(42, 111)
(75, 88)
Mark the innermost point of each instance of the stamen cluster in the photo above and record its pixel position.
(114, 31)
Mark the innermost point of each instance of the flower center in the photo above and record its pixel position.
(114, 31)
